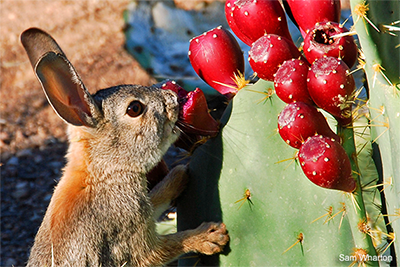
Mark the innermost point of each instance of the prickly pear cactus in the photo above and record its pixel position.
(247, 178)
(377, 27)
(250, 179)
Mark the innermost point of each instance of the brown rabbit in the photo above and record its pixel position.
(100, 213)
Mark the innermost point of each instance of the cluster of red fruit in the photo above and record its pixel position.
(320, 78)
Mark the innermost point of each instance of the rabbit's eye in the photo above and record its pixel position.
(135, 109)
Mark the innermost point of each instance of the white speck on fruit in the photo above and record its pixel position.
(314, 173)
(215, 35)
(341, 86)
(324, 81)
(303, 163)
(265, 62)
(334, 71)
(279, 38)
(173, 82)
(228, 5)
(340, 47)
(197, 40)
(288, 141)
(290, 96)
(328, 23)
(301, 116)
(328, 146)
(298, 108)
(189, 53)
(308, 80)
(164, 85)
(279, 18)
(294, 69)
(246, 13)
(308, 49)
(271, 45)
(290, 80)
(289, 126)
(326, 159)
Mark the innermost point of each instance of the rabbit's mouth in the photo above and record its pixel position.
(171, 131)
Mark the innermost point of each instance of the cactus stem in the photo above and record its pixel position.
(362, 240)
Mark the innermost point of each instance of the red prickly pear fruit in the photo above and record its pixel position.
(290, 81)
(325, 163)
(254, 18)
(173, 86)
(217, 58)
(229, 7)
(298, 121)
(195, 118)
(308, 12)
(268, 53)
(331, 86)
(321, 41)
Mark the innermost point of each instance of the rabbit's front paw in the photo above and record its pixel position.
(211, 238)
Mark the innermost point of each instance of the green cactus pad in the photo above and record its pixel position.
(249, 154)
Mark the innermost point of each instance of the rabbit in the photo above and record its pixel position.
(100, 213)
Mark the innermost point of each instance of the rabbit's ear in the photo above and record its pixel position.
(61, 83)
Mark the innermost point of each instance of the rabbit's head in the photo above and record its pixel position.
(136, 126)
(123, 128)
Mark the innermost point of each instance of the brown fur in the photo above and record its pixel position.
(100, 213)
